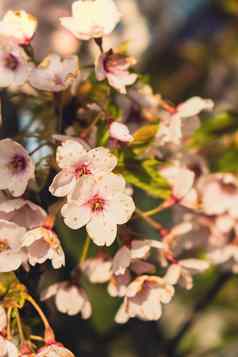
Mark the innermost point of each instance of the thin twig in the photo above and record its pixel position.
(19, 326)
(154, 224)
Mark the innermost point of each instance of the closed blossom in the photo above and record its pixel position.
(120, 132)
(54, 350)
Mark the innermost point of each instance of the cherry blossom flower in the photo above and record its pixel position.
(114, 67)
(98, 269)
(16, 167)
(219, 194)
(43, 244)
(173, 127)
(127, 256)
(77, 163)
(3, 319)
(11, 254)
(181, 180)
(143, 299)
(22, 212)
(54, 350)
(19, 25)
(118, 284)
(7, 348)
(183, 271)
(69, 299)
(15, 66)
(92, 19)
(54, 74)
(120, 132)
(100, 205)
(226, 256)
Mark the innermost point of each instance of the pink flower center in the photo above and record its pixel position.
(18, 164)
(97, 203)
(82, 170)
(11, 62)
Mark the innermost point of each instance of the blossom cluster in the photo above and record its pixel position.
(122, 139)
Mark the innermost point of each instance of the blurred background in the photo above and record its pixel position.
(187, 47)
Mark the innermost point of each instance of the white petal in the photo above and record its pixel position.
(121, 208)
(75, 216)
(63, 184)
(101, 230)
(69, 153)
(121, 261)
(101, 161)
(194, 106)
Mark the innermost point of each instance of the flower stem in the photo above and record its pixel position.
(19, 326)
(85, 249)
(154, 224)
(49, 334)
(9, 315)
(166, 204)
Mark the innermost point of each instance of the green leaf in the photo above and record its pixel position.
(143, 174)
(102, 133)
(145, 134)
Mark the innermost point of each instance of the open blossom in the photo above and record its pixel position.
(54, 74)
(219, 194)
(16, 167)
(183, 271)
(92, 19)
(114, 67)
(15, 66)
(69, 299)
(54, 350)
(131, 256)
(3, 318)
(100, 205)
(7, 348)
(98, 269)
(77, 163)
(22, 212)
(120, 132)
(226, 256)
(18, 25)
(181, 180)
(173, 127)
(143, 299)
(43, 244)
(11, 254)
(118, 284)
